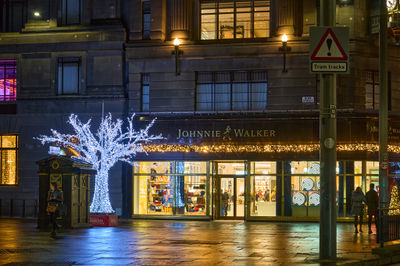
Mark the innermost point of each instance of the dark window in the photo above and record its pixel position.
(71, 12)
(234, 19)
(68, 75)
(8, 80)
(145, 93)
(231, 91)
(372, 90)
(146, 11)
(13, 15)
(8, 159)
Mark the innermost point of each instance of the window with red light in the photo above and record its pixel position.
(8, 80)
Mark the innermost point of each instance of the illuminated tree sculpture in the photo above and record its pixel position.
(394, 201)
(103, 150)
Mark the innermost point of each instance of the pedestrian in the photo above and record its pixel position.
(357, 207)
(372, 203)
(55, 199)
(225, 203)
(266, 195)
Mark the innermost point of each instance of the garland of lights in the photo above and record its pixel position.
(267, 148)
(103, 150)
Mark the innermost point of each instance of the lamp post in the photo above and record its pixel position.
(177, 52)
(284, 49)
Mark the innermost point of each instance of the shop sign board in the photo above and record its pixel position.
(329, 50)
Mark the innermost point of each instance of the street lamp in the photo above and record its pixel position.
(284, 49)
(177, 53)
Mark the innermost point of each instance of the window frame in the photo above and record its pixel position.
(375, 84)
(16, 160)
(3, 66)
(61, 60)
(146, 11)
(64, 14)
(250, 92)
(7, 22)
(142, 95)
(252, 12)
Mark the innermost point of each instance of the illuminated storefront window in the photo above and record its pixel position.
(171, 188)
(263, 188)
(305, 186)
(234, 19)
(246, 189)
(8, 80)
(9, 153)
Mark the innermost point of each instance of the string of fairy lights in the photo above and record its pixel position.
(262, 148)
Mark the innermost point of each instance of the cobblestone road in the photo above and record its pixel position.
(139, 242)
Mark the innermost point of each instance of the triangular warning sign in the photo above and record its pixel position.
(329, 48)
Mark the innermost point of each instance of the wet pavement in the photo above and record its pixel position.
(143, 242)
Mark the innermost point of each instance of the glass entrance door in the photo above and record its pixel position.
(231, 197)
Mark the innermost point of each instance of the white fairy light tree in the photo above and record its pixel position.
(103, 150)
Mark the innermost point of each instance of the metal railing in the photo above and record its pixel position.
(19, 207)
(389, 226)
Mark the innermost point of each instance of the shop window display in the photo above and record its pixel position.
(305, 189)
(8, 160)
(372, 171)
(195, 195)
(372, 168)
(263, 189)
(170, 188)
(154, 192)
(357, 167)
(231, 169)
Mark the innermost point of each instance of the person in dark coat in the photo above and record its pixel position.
(372, 202)
(225, 202)
(357, 207)
(55, 198)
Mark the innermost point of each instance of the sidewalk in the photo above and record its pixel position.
(139, 242)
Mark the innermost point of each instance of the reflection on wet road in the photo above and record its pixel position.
(139, 242)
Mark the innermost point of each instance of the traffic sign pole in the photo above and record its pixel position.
(383, 116)
(327, 129)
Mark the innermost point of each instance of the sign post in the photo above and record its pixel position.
(383, 117)
(328, 56)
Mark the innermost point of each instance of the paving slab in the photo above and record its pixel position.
(152, 242)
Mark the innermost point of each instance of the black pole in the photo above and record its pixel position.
(383, 119)
(177, 71)
(327, 226)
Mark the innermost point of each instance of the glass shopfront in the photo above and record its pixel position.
(263, 188)
(171, 188)
(231, 197)
(243, 189)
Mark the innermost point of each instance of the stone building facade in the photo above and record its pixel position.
(121, 53)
